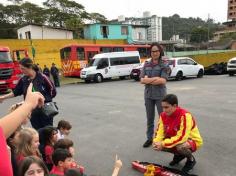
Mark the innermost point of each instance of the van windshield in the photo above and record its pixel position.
(5, 57)
(94, 62)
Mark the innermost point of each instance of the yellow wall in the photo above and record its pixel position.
(209, 59)
(47, 51)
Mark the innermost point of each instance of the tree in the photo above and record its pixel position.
(13, 14)
(199, 34)
(1, 12)
(16, 2)
(97, 18)
(33, 13)
(64, 9)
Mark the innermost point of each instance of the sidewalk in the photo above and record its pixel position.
(69, 80)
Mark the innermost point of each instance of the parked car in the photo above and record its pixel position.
(185, 67)
(231, 66)
(216, 69)
(135, 73)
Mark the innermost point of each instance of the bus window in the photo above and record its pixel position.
(117, 49)
(65, 53)
(80, 53)
(144, 52)
(105, 49)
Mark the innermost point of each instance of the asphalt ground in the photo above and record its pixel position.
(109, 118)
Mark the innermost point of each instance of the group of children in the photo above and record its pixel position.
(47, 149)
(46, 152)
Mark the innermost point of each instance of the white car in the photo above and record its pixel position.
(231, 66)
(185, 67)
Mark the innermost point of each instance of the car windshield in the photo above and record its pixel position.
(5, 57)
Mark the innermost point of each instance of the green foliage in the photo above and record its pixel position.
(175, 25)
(56, 13)
(32, 13)
(97, 18)
(228, 37)
(199, 35)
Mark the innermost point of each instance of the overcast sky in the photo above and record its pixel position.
(111, 9)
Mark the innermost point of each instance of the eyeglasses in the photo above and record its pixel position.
(154, 51)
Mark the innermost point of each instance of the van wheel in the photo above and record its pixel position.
(98, 78)
(200, 73)
(179, 76)
(122, 77)
(231, 73)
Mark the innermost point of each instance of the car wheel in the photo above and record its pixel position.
(137, 79)
(200, 73)
(87, 80)
(179, 76)
(98, 78)
(231, 73)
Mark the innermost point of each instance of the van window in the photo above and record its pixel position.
(124, 60)
(103, 63)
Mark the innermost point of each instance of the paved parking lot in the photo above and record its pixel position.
(109, 118)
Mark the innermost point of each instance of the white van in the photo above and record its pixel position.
(108, 65)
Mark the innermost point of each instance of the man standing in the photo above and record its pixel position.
(154, 75)
(177, 133)
(46, 71)
(55, 75)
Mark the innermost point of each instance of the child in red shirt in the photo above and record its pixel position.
(50, 137)
(62, 160)
(27, 145)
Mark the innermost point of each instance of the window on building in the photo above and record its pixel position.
(28, 35)
(140, 36)
(104, 31)
(124, 30)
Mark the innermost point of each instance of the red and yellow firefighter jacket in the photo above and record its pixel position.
(177, 128)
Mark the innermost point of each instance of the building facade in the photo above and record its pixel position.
(153, 25)
(100, 31)
(43, 32)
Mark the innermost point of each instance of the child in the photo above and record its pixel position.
(32, 166)
(63, 129)
(12, 140)
(27, 145)
(50, 137)
(62, 160)
(68, 145)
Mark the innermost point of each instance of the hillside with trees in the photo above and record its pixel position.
(71, 15)
(191, 29)
(56, 13)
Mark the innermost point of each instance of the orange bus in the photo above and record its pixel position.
(75, 57)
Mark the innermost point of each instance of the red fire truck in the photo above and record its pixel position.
(9, 69)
